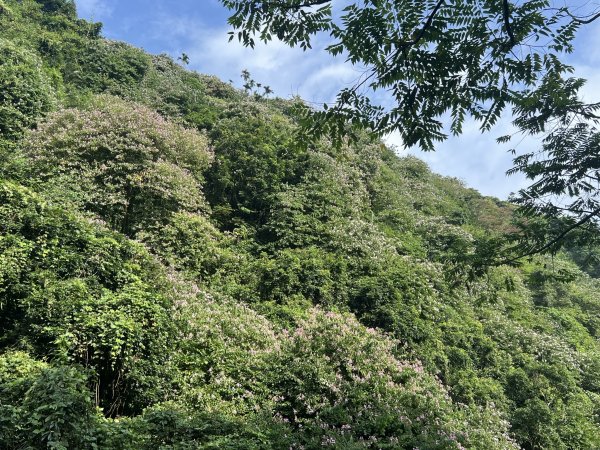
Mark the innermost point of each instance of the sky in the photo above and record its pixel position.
(199, 29)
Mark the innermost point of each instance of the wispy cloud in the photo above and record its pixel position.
(474, 158)
(314, 75)
(94, 9)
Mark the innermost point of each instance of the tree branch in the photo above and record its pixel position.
(405, 45)
(280, 5)
(427, 24)
(554, 241)
(507, 24)
(583, 21)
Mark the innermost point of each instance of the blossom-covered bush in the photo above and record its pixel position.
(122, 162)
(341, 385)
(223, 360)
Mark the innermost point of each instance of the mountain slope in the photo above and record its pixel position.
(178, 271)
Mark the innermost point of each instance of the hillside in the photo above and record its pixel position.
(180, 270)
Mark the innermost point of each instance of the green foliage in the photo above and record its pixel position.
(431, 57)
(177, 93)
(173, 427)
(106, 66)
(310, 273)
(396, 295)
(254, 157)
(189, 243)
(74, 292)
(43, 407)
(56, 37)
(566, 170)
(248, 324)
(58, 409)
(17, 373)
(25, 92)
(445, 62)
(251, 86)
(4, 10)
(362, 396)
(323, 209)
(66, 7)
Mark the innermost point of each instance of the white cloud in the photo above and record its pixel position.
(474, 158)
(94, 9)
(479, 160)
(322, 85)
(314, 74)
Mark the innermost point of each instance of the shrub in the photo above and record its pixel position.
(76, 293)
(66, 7)
(188, 243)
(254, 157)
(43, 406)
(25, 91)
(397, 295)
(100, 65)
(340, 385)
(175, 92)
(58, 410)
(4, 9)
(223, 361)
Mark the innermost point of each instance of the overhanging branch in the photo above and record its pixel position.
(554, 241)
(584, 21)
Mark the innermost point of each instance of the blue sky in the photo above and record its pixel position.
(199, 28)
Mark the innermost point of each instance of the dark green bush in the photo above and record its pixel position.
(101, 66)
(66, 7)
(74, 292)
(43, 406)
(25, 92)
(254, 157)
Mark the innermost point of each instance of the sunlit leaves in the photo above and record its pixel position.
(82, 295)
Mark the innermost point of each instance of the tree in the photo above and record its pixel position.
(56, 268)
(121, 161)
(66, 7)
(456, 59)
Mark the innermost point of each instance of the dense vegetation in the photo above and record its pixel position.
(176, 272)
